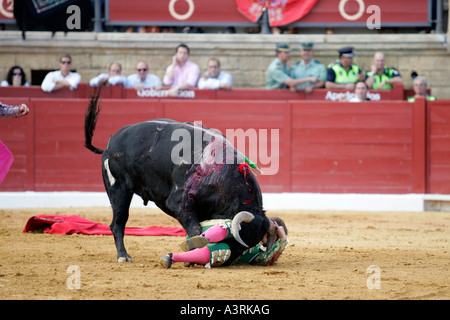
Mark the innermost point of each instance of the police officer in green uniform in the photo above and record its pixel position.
(278, 72)
(344, 73)
(380, 76)
(420, 87)
(309, 67)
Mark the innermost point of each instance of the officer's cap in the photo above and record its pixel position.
(346, 52)
(307, 45)
(283, 47)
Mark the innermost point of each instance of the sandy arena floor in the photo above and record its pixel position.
(327, 258)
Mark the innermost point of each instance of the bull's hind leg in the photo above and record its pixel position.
(120, 198)
(120, 202)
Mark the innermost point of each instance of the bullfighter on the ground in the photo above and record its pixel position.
(211, 249)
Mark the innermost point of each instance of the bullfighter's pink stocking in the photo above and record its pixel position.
(216, 233)
(200, 255)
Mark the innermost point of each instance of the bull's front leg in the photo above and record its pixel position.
(186, 217)
(180, 205)
(118, 229)
(190, 223)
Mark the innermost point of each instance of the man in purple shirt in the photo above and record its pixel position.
(182, 73)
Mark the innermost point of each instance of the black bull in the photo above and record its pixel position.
(190, 172)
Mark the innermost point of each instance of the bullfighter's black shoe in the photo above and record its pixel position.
(194, 243)
(166, 261)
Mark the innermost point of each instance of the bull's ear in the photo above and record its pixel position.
(243, 216)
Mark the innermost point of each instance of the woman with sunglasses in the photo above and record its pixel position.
(16, 77)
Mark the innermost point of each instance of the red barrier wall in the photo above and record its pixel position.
(36, 92)
(355, 148)
(328, 147)
(438, 147)
(118, 92)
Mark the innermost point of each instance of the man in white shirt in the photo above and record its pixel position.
(214, 78)
(113, 76)
(142, 79)
(62, 78)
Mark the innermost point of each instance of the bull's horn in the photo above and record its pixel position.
(271, 235)
(243, 216)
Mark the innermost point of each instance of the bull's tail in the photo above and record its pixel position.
(90, 120)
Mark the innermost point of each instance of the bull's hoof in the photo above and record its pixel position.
(124, 259)
(194, 243)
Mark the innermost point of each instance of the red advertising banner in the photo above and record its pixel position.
(281, 12)
(175, 12)
(247, 12)
(6, 10)
(349, 12)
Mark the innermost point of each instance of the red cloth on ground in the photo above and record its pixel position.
(75, 224)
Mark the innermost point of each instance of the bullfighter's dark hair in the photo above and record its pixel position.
(280, 222)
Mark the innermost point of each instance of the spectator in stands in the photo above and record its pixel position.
(214, 78)
(15, 77)
(344, 74)
(420, 87)
(62, 78)
(380, 76)
(142, 79)
(278, 73)
(113, 76)
(181, 74)
(361, 91)
(308, 67)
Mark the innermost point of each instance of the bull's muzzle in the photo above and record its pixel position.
(245, 216)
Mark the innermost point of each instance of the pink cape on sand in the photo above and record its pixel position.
(69, 224)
